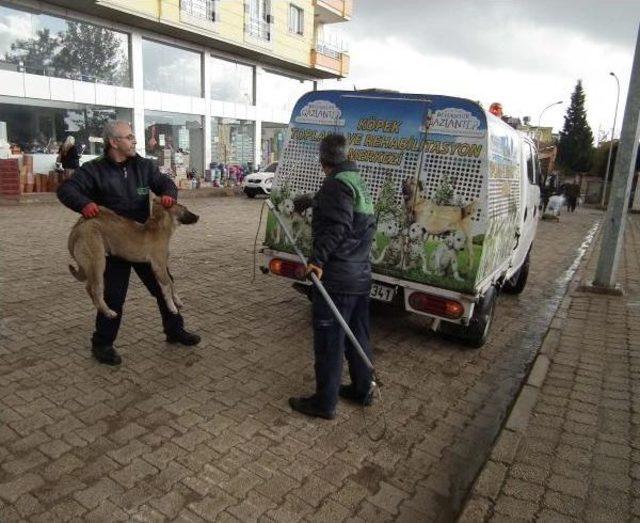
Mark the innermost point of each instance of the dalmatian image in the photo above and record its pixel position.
(416, 256)
(286, 211)
(445, 257)
(392, 252)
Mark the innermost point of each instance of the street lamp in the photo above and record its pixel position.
(615, 115)
(540, 119)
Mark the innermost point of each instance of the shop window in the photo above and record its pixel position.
(63, 48)
(282, 92)
(232, 150)
(273, 138)
(176, 142)
(296, 20)
(231, 81)
(170, 69)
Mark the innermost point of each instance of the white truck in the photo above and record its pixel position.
(455, 192)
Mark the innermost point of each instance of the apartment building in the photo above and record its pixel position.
(207, 84)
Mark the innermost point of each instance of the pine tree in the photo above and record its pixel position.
(575, 149)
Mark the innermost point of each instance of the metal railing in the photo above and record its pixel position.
(258, 28)
(331, 48)
(202, 9)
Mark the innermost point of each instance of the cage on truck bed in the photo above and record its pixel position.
(455, 196)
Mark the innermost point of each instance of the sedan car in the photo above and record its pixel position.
(260, 182)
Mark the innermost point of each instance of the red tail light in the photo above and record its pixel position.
(288, 269)
(436, 305)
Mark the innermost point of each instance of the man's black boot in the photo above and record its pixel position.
(309, 407)
(106, 354)
(184, 337)
(348, 392)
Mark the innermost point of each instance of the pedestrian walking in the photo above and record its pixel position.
(572, 193)
(121, 180)
(343, 227)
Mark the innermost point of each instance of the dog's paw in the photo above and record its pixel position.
(178, 303)
(111, 314)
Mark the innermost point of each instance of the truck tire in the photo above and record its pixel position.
(517, 283)
(477, 332)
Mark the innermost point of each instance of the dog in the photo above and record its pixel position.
(92, 239)
(438, 219)
(445, 257)
(392, 252)
(416, 256)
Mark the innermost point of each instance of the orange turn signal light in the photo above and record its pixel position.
(436, 305)
(287, 268)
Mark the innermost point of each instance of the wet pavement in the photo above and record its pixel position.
(206, 434)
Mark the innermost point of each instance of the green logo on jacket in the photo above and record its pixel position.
(362, 201)
(143, 191)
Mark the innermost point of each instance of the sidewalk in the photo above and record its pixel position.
(570, 450)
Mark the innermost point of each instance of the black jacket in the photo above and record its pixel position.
(70, 160)
(343, 227)
(123, 188)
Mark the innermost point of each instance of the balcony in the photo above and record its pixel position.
(330, 58)
(333, 11)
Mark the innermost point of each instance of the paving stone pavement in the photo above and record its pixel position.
(576, 456)
(205, 434)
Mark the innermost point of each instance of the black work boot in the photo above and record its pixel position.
(348, 392)
(184, 337)
(106, 354)
(309, 407)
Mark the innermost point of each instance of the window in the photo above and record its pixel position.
(231, 81)
(171, 69)
(202, 9)
(296, 20)
(53, 46)
(232, 142)
(176, 141)
(282, 92)
(258, 19)
(529, 159)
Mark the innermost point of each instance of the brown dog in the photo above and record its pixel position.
(92, 239)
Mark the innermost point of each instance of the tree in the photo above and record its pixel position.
(575, 149)
(36, 54)
(91, 53)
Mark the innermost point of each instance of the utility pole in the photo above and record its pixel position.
(613, 130)
(613, 232)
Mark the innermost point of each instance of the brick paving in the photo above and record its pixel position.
(576, 455)
(205, 434)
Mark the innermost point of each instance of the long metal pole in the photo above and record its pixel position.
(613, 129)
(322, 290)
(615, 217)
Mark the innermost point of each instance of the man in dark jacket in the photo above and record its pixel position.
(343, 226)
(121, 180)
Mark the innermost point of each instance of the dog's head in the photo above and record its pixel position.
(456, 241)
(287, 207)
(417, 232)
(178, 212)
(308, 215)
(389, 228)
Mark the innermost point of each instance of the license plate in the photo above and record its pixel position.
(382, 292)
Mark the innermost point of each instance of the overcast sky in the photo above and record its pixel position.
(525, 54)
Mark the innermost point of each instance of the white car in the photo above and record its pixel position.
(260, 182)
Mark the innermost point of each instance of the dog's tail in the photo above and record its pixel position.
(78, 274)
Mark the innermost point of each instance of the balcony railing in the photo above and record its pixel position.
(330, 56)
(258, 28)
(200, 9)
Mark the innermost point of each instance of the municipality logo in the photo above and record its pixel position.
(320, 112)
(453, 120)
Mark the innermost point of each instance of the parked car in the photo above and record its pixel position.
(260, 182)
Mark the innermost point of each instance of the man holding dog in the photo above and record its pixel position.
(343, 227)
(121, 180)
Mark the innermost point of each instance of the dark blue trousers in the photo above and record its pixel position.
(116, 283)
(330, 344)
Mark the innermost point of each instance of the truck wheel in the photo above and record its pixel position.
(517, 283)
(477, 332)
